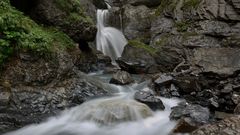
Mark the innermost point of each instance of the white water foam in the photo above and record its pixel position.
(110, 40)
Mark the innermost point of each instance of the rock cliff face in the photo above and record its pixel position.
(32, 89)
(191, 23)
(196, 41)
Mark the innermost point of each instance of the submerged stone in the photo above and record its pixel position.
(111, 111)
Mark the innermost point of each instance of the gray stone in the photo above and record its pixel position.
(121, 78)
(137, 23)
(228, 126)
(196, 114)
(217, 60)
(163, 80)
(4, 97)
(215, 28)
(149, 99)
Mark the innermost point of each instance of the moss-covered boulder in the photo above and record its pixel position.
(138, 58)
(70, 16)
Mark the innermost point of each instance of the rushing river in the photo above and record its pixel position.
(118, 114)
(115, 115)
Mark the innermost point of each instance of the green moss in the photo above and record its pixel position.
(139, 44)
(166, 5)
(182, 26)
(189, 4)
(74, 11)
(170, 5)
(20, 33)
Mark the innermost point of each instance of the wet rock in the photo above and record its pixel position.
(163, 80)
(136, 59)
(111, 111)
(31, 91)
(228, 126)
(121, 78)
(149, 99)
(194, 114)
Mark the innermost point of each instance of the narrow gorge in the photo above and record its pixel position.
(117, 67)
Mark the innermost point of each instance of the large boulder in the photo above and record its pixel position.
(195, 115)
(70, 16)
(111, 111)
(138, 58)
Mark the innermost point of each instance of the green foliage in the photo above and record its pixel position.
(73, 10)
(139, 44)
(18, 32)
(182, 26)
(188, 4)
(169, 5)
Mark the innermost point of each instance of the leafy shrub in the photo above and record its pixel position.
(18, 32)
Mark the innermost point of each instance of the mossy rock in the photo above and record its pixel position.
(69, 16)
(139, 44)
(20, 33)
(170, 6)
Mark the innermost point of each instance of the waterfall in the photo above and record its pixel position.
(110, 41)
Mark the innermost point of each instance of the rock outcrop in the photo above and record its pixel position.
(33, 88)
(228, 126)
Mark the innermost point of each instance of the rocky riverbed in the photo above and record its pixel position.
(188, 49)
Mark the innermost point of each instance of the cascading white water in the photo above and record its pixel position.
(119, 115)
(110, 40)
